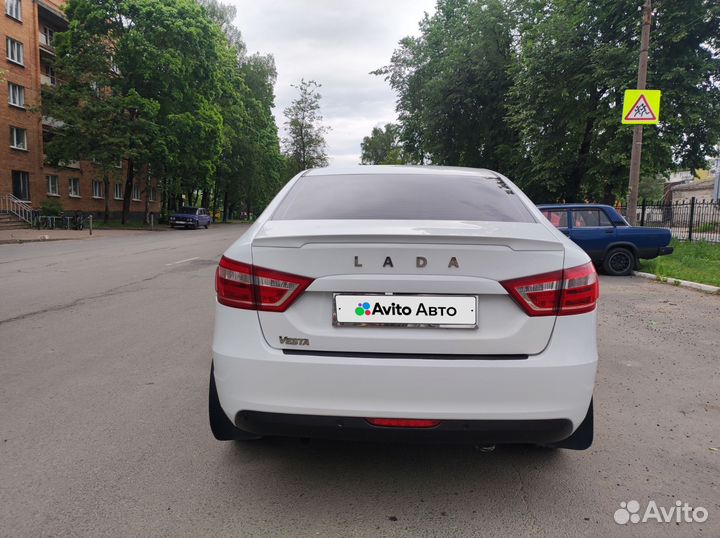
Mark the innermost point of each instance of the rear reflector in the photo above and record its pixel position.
(241, 285)
(560, 293)
(403, 422)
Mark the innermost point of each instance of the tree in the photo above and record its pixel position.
(575, 61)
(249, 170)
(534, 88)
(652, 188)
(223, 15)
(91, 121)
(305, 145)
(139, 77)
(452, 82)
(382, 146)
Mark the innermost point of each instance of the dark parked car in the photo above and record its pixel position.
(190, 217)
(606, 236)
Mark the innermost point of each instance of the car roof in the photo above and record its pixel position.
(383, 169)
(573, 206)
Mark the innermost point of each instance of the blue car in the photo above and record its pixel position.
(190, 217)
(606, 236)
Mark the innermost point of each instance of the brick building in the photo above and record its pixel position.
(27, 29)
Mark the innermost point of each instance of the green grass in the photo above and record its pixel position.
(698, 261)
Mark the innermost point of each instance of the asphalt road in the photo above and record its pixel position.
(104, 359)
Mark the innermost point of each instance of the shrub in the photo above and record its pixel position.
(51, 208)
(708, 227)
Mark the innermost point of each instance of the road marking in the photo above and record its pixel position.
(182, 261)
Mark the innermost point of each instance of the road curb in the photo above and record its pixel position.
(681, 283)
(20, 241)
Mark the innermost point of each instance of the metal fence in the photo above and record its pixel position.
(694, 220)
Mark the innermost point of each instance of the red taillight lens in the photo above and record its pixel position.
(233, 284)
(581, 290)
(560, 293)
(403, 422)
(242, 285)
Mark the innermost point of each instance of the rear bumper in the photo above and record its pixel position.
(555, 384)
(648, 253)
(358, 429)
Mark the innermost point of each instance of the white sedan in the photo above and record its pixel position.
(405, 303)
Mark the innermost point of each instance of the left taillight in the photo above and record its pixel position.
(560, 293)
(242, 285)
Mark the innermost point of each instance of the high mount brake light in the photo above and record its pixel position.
(560, 293)
(241, 285)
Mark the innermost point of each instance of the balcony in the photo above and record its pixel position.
(47, 80)
(51, 122)
(51, 15)
(46, 41)
(61, 164)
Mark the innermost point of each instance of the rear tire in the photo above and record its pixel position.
(222, 428)
(207, 226)
(619, 262)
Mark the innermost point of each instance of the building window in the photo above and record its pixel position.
(153, 194)
(21, 185)
(136, 192)
(52, 185)
(118, 191)
(16, 95)
(74, 190)
(14, 50)
(97, 189)
(47, 36)
(14, 9)
(18, 138)
(118, 164)
(47, 75)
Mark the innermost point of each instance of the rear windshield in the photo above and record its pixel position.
(402, 197)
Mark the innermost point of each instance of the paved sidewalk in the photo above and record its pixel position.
(25, 235)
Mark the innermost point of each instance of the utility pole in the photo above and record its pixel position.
(635, 156)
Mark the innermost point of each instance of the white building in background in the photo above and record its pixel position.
(679, 177)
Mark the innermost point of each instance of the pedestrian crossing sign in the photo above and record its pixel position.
(641, 107)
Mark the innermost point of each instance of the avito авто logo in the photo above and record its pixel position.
(394, 309)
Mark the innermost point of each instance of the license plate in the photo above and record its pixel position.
(452, 311)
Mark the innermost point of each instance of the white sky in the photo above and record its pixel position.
(336, 43)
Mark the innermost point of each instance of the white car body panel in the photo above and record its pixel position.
(250, 375)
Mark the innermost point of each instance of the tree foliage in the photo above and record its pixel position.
(305, 146)
(162, 83)
(382, 146)
(534, 89)
(452, 83)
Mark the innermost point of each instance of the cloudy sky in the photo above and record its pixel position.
(337, 43)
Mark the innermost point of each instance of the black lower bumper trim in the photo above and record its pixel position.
(448, 431)
(429, 356)
(664, 251)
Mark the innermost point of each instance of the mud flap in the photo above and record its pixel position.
(222, 428)
(582, 438)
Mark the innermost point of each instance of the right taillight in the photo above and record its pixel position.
(559, 293)
(241, 285)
